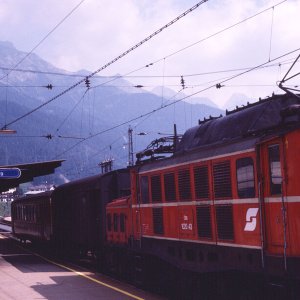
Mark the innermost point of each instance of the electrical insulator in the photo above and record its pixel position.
(182, 82)
(87, 82)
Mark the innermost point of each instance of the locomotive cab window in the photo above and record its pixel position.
(275, 169)
(245, 177)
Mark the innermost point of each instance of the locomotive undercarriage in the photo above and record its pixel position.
(198, 271)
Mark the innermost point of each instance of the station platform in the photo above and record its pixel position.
(25, 275)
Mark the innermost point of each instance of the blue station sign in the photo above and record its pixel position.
(10, 173)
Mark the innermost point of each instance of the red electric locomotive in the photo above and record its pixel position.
(223, 212)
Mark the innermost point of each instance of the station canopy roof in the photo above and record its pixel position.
(28, 172)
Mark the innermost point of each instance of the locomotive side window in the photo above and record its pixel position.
(184, 185)
(201, 182)
(245, 177)
(116, 222)
(222, 180)
(108, 222)
(169, 184)
(156, 188)
(275, 169)
(145, 189)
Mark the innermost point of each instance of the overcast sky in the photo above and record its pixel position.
(99, 30)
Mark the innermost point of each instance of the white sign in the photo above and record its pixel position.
(251, 219)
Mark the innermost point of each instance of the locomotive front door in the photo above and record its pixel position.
(275, 206)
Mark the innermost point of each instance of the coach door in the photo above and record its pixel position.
(272, 171)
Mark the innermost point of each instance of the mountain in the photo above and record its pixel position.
(168, 93)
(83, 126)
(237, 99)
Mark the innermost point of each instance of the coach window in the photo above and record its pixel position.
(38, 210)
(275, 169)
(245, 177)
(184, 185)
(145, 189)
(201, 182)
(122, 222)
(26, 213)
(116, 222)
(169, 184)
(18, 213)
(108, 222)
(23, 213)
(29, 213)
(156, 188)
(222, 180)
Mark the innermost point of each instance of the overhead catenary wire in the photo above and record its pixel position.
(221, 31)
(192, 45)
(109, 63)
(72, 110)
(174, 102)
(244, 69)
(169, 55)
(289, 61)
(166, 75)
(271, 33)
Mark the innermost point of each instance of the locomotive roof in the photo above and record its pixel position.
(239, 130)
(251, 120)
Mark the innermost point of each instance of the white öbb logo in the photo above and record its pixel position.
(251, 219)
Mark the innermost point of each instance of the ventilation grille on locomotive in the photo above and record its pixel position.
(169, 184)
(156, 188)
(158, 224)
(224, 222)
(204, 222)
(201, 182)
(222, 180)
(144, 189)
(184, 185)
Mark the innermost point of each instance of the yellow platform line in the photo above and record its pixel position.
(87, 276)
